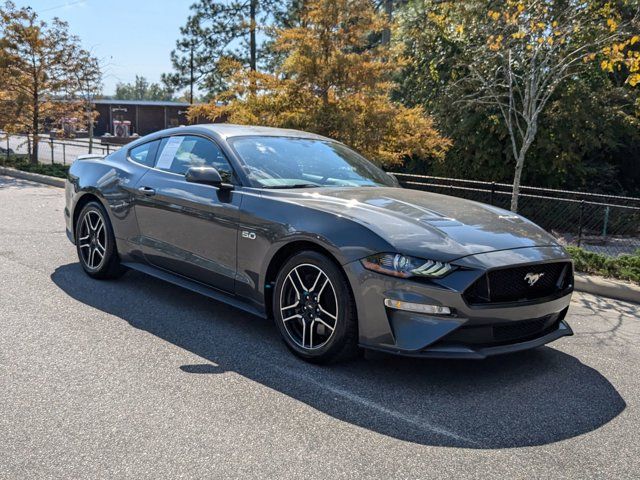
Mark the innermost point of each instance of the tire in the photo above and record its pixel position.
(96, 243)
(322, 327)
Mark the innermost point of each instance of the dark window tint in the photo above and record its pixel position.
(178, 154)
(144, 154)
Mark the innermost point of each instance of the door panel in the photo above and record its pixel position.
(189, 229)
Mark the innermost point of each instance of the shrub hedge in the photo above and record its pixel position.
(624, 267)
(21, 162)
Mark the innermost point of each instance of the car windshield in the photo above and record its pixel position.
(288, 162)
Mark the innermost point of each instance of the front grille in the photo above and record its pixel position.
(513, 284)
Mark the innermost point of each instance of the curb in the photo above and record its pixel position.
(607, 287)
(34, 177)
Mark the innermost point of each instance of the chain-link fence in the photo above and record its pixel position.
(63, 151)
(606, 224)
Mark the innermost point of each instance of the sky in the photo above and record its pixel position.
(129, 37)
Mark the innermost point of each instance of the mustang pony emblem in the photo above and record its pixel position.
(532, 278)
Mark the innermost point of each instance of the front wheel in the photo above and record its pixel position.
(314, 309)
(96, 244)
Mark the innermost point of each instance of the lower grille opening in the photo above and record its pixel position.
(520, 330)
(505, 333)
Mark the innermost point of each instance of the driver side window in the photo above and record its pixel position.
(179, 153)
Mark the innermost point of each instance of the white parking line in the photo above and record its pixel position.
(412, 420)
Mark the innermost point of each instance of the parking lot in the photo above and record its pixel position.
(136, 378)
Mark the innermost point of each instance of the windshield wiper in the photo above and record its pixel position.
(295, 185)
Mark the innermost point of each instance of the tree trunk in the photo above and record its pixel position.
(516, 182)
(386, 33)
(90, 117)
(191, 76)
(252, 34)
(34, 149)
(36, 115)
(529, 137)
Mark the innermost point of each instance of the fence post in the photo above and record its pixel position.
(580, 223)
(7, 148)
(51, 145)
(606, 221)
(493, 191)
(107, 149)
(64, 153)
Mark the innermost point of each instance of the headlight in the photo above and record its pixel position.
(405, 267)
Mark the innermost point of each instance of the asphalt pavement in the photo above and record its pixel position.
(136, 378)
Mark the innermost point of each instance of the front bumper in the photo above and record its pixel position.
(457, 335)
(461, 351)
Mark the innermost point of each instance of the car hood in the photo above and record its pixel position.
(425, 224)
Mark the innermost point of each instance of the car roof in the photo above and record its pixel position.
(228, 130)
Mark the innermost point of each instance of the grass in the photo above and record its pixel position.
(624, 267)
(21, 162)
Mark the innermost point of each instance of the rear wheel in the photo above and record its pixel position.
(314, 309)
(96, 244)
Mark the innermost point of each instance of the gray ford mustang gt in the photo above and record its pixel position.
(299, 228)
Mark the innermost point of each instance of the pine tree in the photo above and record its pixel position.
(216, 31)
(335, 82)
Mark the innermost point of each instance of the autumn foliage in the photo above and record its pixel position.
(335, 81)
(42, 71)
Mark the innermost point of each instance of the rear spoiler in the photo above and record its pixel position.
(90, 156)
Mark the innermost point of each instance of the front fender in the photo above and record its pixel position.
(268, 225)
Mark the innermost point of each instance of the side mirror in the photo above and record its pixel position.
(207, 176)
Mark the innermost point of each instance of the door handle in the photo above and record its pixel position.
(148, 191)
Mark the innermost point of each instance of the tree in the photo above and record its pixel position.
(334, 82)
(141, 89)
(521, 51)
(37, 62)
(88, 77)
(218, 30)
(507, 60)
(587, 136)
(286, 14)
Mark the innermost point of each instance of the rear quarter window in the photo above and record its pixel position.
(145, 154)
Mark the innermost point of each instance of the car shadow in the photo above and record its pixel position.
(531, 398)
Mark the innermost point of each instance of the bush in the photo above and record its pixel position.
(624, 267)
(21, 162)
